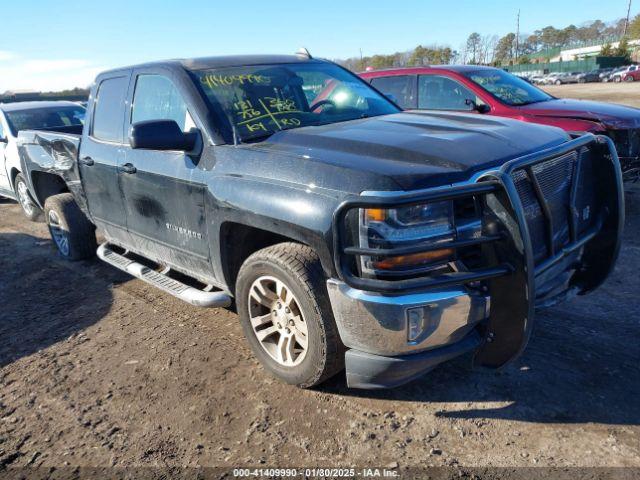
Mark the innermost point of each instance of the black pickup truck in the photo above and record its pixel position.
(347, 233)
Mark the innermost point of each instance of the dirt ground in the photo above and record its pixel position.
(622, 93)
(99, 369)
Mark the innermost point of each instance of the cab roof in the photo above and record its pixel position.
(451, 68)
(204, 63)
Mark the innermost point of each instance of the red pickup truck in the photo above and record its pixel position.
(493, 91)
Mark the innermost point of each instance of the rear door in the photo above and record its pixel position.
(102, 152)
(400, 88)
(164, 190)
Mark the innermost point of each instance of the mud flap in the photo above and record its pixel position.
(512, 296)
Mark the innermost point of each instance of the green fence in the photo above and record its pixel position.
(588, 64)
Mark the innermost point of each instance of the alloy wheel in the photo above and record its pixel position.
(59, 235)
(277, 321)
(24, 198)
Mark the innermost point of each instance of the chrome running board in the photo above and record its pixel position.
(194, 296)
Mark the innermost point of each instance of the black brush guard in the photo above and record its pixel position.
(510, 271)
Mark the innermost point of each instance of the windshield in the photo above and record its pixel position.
(508, 88)
(258, 101)
(45, 118)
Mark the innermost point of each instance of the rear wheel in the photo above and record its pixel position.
(558, 82)
(629, 78)
(286, 315)
(71, 231)
(30, 208)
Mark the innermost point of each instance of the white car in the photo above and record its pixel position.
(65, 117)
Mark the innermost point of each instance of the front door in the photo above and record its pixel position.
(164, 191)
(101, 154)
(440, 92)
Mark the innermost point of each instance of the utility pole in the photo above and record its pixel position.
(518, 35)
(626, 23)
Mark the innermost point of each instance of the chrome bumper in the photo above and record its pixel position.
(377, 324)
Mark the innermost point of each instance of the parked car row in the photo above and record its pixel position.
(627, 73)
(350, 234)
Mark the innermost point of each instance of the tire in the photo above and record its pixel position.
(617, 79)
(298, 269)
(29, 206)
(71, 231)
(558, 82)
(629, 78)
(582, 80)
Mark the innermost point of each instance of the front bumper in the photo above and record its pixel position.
(531, 260)
(377, 324)
(365, 370)
(374, 328)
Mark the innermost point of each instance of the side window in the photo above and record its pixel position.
(399, 88)
(108, 116)
(2, 135)
(156, 98)
(436, 92)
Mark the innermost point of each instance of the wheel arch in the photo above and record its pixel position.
(45, 184)
(239, 240)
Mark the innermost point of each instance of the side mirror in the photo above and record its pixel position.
(483, 108)
(161, 135)
(4, 140)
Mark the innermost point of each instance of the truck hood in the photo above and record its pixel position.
(608, 114)
(416, 149)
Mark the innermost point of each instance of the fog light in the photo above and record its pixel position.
(417, 320)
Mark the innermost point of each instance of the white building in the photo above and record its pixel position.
(583, 52)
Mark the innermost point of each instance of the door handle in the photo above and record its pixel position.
(127, 168)
(88, 161)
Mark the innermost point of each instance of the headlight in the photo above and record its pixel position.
(424, 224)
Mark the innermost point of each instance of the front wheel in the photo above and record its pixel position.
(286, 316)
(558, 82)
(628, 78)
(71, 231)
(30, 208)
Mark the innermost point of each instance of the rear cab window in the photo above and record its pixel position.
(400, 88)
(109, 105)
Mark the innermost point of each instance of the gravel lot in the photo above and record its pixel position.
(98, 369)
(622, 93)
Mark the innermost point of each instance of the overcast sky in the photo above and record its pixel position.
(51, 45)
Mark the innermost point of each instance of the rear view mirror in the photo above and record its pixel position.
(161, 135)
